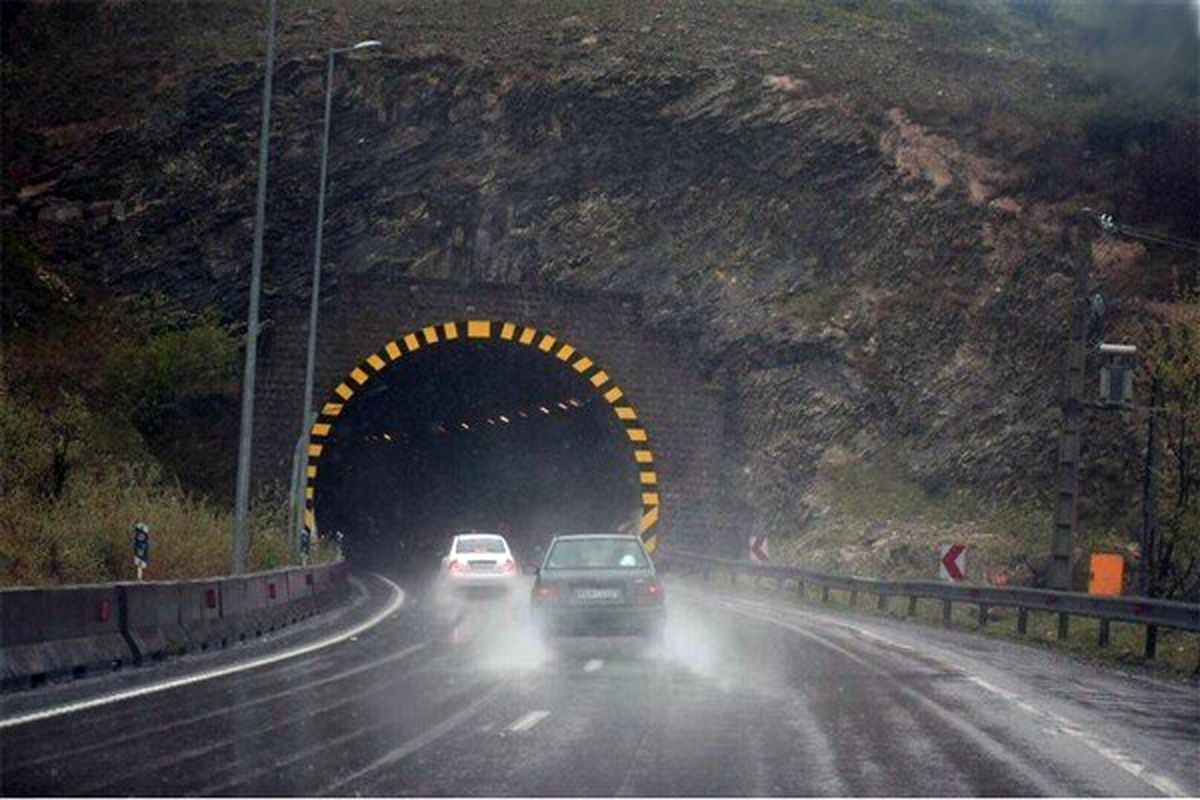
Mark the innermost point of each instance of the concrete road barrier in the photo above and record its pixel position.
(302, 594)
(200, 615)
(152, 619)
(50, 633)
(46, 633)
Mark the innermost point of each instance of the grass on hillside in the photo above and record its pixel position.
(85, 535)
(877, 520)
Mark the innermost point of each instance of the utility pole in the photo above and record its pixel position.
(1069, 446)
(308, 413)
(1149, 499)
(241, 538)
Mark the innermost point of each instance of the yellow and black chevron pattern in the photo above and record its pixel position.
(503, 332)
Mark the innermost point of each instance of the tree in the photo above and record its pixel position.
(1173, 358)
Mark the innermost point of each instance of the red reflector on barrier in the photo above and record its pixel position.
(271, 590)
(210, 598)
(308, 581)
(103, 611)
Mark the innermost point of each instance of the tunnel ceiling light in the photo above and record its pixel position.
(504, 419)
(464, 426)
(387, 436)
(562, 406)
(544, 409)
(574, 402)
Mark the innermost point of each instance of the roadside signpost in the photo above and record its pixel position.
(141, 547)
(953, 565)
(305, 546)
(759, 551)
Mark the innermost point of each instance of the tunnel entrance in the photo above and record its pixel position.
(502, 429)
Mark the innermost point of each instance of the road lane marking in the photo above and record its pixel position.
(417, 742)
(528, 721)
(981, 738)
(1112, 754)
(1064, 725)
(399, 655)
(393, 605)
(593, 665)
(175, 757)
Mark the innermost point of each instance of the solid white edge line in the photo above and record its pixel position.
(1112, 754)
(528, 721)
(70, 708)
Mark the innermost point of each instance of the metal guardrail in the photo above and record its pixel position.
(1152, 613)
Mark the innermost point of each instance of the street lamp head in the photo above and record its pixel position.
(367, 44)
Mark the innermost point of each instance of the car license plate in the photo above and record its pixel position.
(594, 595)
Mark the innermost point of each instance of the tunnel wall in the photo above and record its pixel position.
(681, 412)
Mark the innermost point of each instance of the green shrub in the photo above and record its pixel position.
(154, 376)
(85, 537)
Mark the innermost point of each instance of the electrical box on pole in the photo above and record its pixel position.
(1116, 374)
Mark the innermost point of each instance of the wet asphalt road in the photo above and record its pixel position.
(746, 697)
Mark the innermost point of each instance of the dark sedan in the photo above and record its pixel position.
(598, 584)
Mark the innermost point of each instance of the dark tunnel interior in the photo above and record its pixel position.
(472, 435)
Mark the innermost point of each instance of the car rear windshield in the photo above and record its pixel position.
(480, 544)
(596, 554)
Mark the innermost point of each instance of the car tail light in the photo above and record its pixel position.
(510, 567)
(458, 568)
(545, 593)
(648, 591)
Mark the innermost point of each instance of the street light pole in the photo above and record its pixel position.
(241, 539)
(308, 413)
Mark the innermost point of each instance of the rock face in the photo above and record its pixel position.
(852, 277)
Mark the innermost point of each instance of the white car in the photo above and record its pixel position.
(479, 563)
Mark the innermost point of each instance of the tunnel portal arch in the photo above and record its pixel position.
(502, 333)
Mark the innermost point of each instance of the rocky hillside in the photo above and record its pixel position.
(855, 208)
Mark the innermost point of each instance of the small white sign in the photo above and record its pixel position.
(759, 551)
(953, 564)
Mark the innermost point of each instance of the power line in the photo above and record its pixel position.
(1111, 226)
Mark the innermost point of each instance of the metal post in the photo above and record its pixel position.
(1067, 485)
(307, 415)
(296, 496)
(241, 539)
(1149, 499)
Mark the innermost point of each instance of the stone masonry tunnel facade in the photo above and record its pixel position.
(673, 419)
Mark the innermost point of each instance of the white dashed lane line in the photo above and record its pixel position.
(593, 665)
(528, 721)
